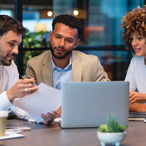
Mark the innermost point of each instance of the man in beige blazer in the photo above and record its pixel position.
(85, 68)
(82, 68)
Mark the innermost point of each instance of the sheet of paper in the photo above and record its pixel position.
(10, 135)
(45, 99)
(58, 119)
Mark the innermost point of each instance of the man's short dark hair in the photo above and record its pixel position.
(70, 21)
(8, 23)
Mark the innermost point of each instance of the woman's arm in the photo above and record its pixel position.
(137, 107)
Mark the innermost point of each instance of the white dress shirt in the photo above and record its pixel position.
(8, 77)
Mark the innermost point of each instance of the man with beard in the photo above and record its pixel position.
(62, 64)
(11, 87)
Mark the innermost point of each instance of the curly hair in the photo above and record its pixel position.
(134, 20)
(8, 23)
(70, 21)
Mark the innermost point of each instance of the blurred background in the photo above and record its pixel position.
(102, 31)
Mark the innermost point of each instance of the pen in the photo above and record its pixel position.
(23, 77)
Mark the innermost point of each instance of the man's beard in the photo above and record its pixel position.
(3, 59)
(58, 56)
(4, 62)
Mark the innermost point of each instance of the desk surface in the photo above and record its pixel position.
(53, 135)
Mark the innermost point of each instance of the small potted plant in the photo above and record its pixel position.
(112, 132)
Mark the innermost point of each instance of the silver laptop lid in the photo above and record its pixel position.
(88, 104)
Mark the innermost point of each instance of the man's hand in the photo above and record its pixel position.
(49, 117)
(21, 88)
(136, 97)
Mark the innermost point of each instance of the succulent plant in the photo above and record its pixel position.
(103, 128)
(112, 126)
(121, 128)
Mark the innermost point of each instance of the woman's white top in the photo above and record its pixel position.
(136, 74)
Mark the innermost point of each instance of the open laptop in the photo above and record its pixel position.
(88, 104)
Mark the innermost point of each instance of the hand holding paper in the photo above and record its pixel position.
(45, 99)
(49, 117)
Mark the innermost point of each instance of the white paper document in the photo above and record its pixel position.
(45, 99)
(11, 134)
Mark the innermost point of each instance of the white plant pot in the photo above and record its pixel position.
(114, 138)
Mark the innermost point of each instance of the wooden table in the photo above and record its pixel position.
(53, 135)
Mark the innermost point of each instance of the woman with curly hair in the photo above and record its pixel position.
(134, 24)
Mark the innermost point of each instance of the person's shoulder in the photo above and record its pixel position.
(39, 58)
(136, 59)
(137, 62)
(84, 56)
(11, 67)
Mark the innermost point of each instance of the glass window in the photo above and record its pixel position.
(102, 31)
(101, 18)
(7, 7)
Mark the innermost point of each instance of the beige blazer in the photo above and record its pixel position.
(85, 68)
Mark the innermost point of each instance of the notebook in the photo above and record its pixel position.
(137, 116)
(89, 104)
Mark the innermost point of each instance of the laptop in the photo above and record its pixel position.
(89, 104)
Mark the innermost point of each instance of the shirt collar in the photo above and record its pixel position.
(58, 68)
(53, 64)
